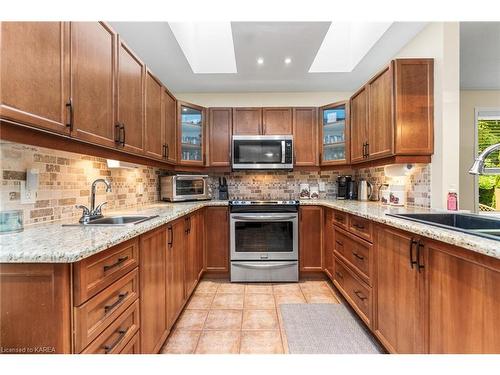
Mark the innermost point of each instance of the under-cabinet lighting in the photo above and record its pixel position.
(114, 164)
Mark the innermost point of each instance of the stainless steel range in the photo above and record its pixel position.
(264, 240)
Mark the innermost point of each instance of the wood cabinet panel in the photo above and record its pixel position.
(276, 121)
(133, 346)
(355, 252)
(116, 337)
(153, 281)
(91, 318)
(220, 129)
(175, 270)
(170, 126)
(193, 263)
(35, 307)
(154, 130)
(328, 242)
(341, 219)
(247, 121)
(305, 135)
(359, 124)
(464, 303)
(93, 51)
(414, 106)
(400, 317)
(380, 115)
(130, 99)
(34, 81)
(310, 238)
(361, 227)
(217, 239)
(95, 273)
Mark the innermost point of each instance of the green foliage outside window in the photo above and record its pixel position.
(488, 134)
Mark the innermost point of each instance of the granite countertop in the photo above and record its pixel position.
(53, 243)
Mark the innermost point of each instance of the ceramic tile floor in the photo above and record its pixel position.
(227, 318)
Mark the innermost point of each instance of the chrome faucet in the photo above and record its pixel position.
(94, 212)
(478, 166)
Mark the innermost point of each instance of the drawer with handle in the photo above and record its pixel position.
(95, 273)
(354, 290)
(96, 314)
(133, 346)
(340, 219)
(361, 227)
(355, 251)
(115, 338)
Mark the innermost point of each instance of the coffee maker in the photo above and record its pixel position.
(343, 183)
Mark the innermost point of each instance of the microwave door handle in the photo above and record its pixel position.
(282, 152)
(263, 218)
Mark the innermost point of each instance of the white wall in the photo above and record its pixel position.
(469, 100)
(264, 99)
(441, 41)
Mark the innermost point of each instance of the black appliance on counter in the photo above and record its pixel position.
(223, 189)
(347, 187)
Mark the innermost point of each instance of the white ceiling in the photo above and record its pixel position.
(480, 55)
(156, 44)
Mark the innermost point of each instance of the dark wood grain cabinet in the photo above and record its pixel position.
(305, 135)
(93, 69)
(217, 240)
(220, 133)
(247, 121)
(169, 120)
(154, 127)
(276, 121)
(359, 125)
(328, 243)
(35, 74)
(310, 238)
(193, 262)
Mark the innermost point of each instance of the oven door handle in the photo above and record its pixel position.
(262, 266)
(264, 218)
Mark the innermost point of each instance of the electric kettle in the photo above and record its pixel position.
(364, 190)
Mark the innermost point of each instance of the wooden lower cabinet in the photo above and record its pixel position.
(310, 238)
(464, 301)
(400, 297)
(133, 346)
(153, 291)
(193, 264)
(328, 243)
(217, 240)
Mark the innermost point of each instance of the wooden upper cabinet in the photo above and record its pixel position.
(34, 81)
(191, 130)
(220, 132)
(153, 294)
(464, 301)
(359, 125)
(334, 134)
(93, 52)
(311, 238)
(380, 115)
(400, 297)
(305, 135)
(154, 131)
(247, 121)
(414, 106)
(217, 240)
(130, 106)
(170, 126)
(276, 121)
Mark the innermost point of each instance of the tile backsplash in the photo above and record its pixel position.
(64, 181)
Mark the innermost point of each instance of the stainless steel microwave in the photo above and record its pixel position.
(180, 187)
(262, 152)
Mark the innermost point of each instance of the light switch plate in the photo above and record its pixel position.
(27, 196)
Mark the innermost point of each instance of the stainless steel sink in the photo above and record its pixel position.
(114, 221)
(474, 224)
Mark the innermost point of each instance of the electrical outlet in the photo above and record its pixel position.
(27, 196)
(140, 189)
(322, 186)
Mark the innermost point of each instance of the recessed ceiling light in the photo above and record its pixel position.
(184, 109)
(260, 61)
(288, 60)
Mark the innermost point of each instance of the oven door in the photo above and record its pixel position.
(261, 152)
(264, 236)
(190, 188)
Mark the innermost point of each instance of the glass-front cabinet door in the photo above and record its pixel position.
(334, 134)
(191, 128)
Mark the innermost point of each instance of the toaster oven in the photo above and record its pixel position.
(179, 188)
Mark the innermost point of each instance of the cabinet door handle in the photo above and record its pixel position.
(367, 149)
(116, 264)
(359, 226)
(118, 134)
(420, 266)
(364, 150)
(360, 295)
(339, 274)
(170, 236)
(340, 219)
(122, 128)
(339, 242)
(360, 257)
(108, 348)
(69, 105)
(119, 300)
(412, 262)
(167, 151)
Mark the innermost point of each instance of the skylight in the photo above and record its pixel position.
(208, 46)
(345, 44)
